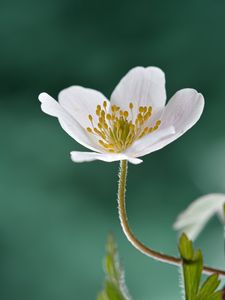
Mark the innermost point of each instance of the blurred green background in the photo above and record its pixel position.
(54, 214)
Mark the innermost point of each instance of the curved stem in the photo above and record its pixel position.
(131, 237)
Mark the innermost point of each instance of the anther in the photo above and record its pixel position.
(97, 131)
(139, 117)
(147, 116)
(141, 109)
(113, 108)
(101, 142)
(108, 117)
(125, 113)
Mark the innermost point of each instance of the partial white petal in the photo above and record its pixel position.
(90, 156)
(69, 124)
(141, 86)
(193, 230)
(80, 102)
(150, 142)
(198, 213)
(182, 111)
(133, 160)
(49, 105)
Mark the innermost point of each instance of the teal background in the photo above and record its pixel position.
(54, 214)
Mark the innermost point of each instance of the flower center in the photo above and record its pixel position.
(118, 129)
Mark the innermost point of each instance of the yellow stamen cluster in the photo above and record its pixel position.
(118, 129)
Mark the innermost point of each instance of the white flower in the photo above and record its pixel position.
(198, 213)
(134, 123)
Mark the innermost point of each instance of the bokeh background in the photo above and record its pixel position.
(54, 214)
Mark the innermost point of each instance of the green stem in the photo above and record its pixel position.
(131, 237)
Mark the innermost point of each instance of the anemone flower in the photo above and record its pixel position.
(135, 122)
(198, 213)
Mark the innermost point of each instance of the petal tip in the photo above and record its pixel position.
(42, 96)
(157, 69)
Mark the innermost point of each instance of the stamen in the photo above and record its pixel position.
(119, 129)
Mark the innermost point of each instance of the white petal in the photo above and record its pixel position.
(198, 213)
(90, 156)
(49, 105)
(69, 124)
(182, 111)
(150, 142)
(192, 231)
(141, 86)
(80, 102)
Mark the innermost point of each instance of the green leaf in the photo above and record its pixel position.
(216, 296)
(208, 287)
(192, 267)
(186, 248)
(114, 285)
(192, 270)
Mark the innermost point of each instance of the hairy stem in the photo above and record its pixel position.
(130, 235)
